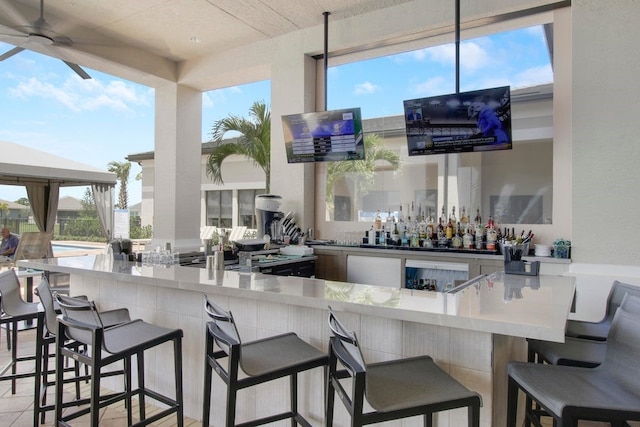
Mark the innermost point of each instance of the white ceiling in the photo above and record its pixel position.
(167, 28)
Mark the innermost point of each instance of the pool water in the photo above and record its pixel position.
(70, 248)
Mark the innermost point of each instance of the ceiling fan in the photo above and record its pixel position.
(39, 33)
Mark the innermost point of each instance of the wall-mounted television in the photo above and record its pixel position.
(325, 136)
(479, 120)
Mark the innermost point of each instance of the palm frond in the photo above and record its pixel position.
(362, 172)
(218, 155)
(254, 141)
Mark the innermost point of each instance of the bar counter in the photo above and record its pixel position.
(471, 333)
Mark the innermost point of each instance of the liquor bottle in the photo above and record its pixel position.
(395, 236)
(382, 237)
(430, 226)
(478, 218)
(441, 231)
(404, 241)
(453, 219)
(467, 239)
(422, 229)
(401, 223)
(492, 235)
(456, 241)
(390, 221)
(449, 230)
(463, 219)
(377, 222)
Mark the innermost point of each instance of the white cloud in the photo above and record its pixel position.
(365, 88)
(431, 86)
(85, 95)
(234, 89)
(207, 102)
(533, 76)
(473, 54)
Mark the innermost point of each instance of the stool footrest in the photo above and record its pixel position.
(269, 419)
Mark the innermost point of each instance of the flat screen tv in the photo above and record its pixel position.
(326, 136)
(460, 122)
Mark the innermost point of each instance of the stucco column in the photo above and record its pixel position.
(605, 149)
(176, 191)
(293, 89)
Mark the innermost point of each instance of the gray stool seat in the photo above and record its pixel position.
(563, 389)
(407, 383)
(609, 392)
(573, 352)
(134, 336)
(277, 353)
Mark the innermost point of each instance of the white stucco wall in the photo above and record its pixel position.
(606, 150)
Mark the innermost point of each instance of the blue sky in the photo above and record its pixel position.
(44, 105)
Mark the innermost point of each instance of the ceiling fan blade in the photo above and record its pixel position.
(10, 53)
(79, 71)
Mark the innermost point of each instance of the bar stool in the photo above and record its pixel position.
(575, 352)
(15, 310)
(48, 337)
(80, 321)
(396, 389)
(599, 330)
(262, 360)
(608, 393)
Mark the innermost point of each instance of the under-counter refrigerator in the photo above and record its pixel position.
(434, 276)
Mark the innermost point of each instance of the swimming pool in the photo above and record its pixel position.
(59, 248)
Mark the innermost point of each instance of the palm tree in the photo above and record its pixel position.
(254, 141)
(121, 169)
(362, 172)
(4, 209)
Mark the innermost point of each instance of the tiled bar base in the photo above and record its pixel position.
(466, 355)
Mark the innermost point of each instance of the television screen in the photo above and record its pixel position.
(469, 121)
(324, 136)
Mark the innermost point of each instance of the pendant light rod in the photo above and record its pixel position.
(326, 56)
(457, 32)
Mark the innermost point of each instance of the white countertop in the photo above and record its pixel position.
(531, 307)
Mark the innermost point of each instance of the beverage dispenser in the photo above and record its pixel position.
(268, 210)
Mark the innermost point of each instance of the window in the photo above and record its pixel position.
(515, 185)
(220, 208)
(246, 207)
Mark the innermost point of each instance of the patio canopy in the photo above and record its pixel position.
(43, 174)
(21, 165)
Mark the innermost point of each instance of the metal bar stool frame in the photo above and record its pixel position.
(94, 358)
(344, 347)
(231, 348)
